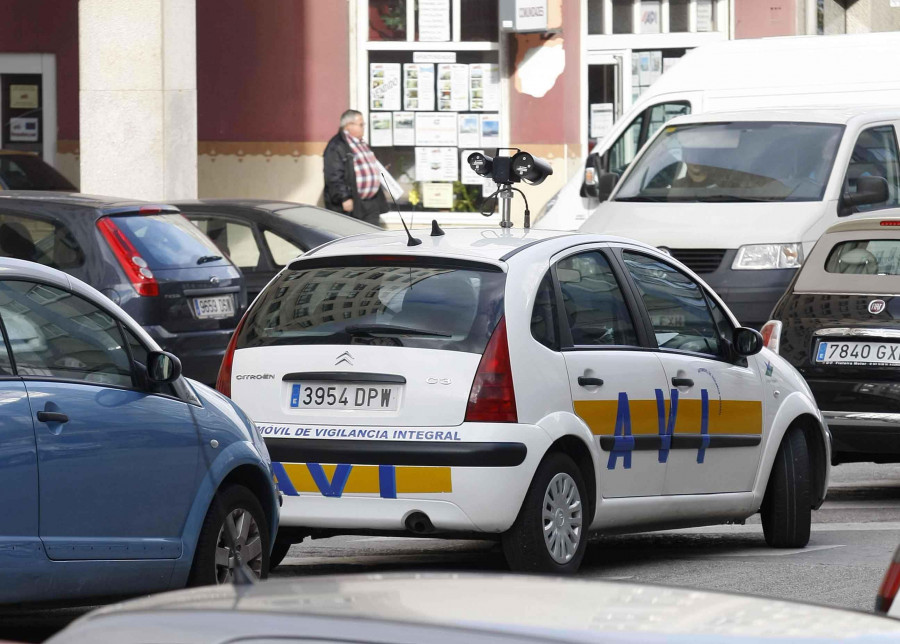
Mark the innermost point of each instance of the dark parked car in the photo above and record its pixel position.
(261, 237)
(839, 325)
(27, 171)
(147, 258)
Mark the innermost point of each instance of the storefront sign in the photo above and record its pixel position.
(434, 56)
(23, 97)
(523, 15)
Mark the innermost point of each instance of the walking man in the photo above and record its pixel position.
(352, 179)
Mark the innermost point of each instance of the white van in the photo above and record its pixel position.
(741, 197)
(739, 74)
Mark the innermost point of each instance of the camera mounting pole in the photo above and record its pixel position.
(505, 195)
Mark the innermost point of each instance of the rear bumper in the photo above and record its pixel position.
(864, 436)
(200, 352)
(461, 484)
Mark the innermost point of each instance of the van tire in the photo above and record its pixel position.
(242, 505)
(787, 506)
(524, 544)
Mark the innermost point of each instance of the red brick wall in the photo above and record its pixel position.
(276, 70)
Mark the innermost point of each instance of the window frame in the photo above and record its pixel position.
(644, 340)
(135, 386)
(725, 355)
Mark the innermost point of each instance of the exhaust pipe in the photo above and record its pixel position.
(418, 522)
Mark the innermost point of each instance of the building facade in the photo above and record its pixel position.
(435, 80)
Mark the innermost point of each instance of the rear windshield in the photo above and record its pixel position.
(28, 172)
(330, 224)
(430, 304)
(865, 257)
(734, 162)
(169, 241)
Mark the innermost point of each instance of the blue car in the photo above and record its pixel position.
(117, 475)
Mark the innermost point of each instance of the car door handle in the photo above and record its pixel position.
(52, 417)
(586, 381)
(682, 382)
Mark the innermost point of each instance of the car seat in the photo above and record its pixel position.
(857, 261)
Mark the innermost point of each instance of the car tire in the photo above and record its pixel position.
(549, 503)
(279, 552)
(787, 506)
(245, 510)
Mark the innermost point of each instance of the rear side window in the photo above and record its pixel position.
(169, 241)
(236, 241)
(37, 240)
(430, 304)
(865, 257)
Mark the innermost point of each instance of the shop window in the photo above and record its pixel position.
(623, 17)
(595, 17)
(481, 20)
(387, 19)
(706, 15)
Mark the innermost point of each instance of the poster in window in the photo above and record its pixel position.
(484, 87)
(436, 164)
(23, 97)
(466, 174)
(437, 195)
(384, 86)
(418, 86)
(435, 129)
(23, 130)
(381, 129)
(704, 15)
(453, 88)
(434, 20)
(490, 130)
(601, 119)
(404, 128)
(468, 131)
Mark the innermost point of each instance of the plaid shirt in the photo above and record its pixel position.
(365, 166)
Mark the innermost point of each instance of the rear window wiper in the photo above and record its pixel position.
(388, 329)
(209, 258)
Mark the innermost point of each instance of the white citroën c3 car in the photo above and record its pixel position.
(531, 385)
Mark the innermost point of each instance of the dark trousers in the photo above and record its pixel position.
(369, 209)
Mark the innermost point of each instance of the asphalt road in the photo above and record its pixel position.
(853, 538)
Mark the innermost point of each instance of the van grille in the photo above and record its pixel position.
(699, 260)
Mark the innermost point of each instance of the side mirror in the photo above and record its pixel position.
(593, 169)
(163, 367)
(747, 342)
(606, 184)
(869, 190)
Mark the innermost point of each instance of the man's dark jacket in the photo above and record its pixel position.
(340, 179)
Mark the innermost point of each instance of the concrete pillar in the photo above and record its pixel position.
(138, 98)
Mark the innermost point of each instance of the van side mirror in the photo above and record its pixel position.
(593, 169)
(606, 184)
(747, 341)
(869, 190)
(163, 367)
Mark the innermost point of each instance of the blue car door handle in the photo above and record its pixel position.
(52, 417)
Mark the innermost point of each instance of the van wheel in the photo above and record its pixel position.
(279, 552)
(549, 533)
(787, 507)
(237, 510)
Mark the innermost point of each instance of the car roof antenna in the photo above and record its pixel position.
(436, 230)
(412, 241)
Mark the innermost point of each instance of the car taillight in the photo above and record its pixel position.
(889, 586)
(223, 380)
(135, 266)
(771, 333)
(492, 398)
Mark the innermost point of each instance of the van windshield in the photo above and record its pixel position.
(384, 301)
(735, 162)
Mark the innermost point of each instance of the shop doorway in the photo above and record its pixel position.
(607, 87)
(28, 104)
